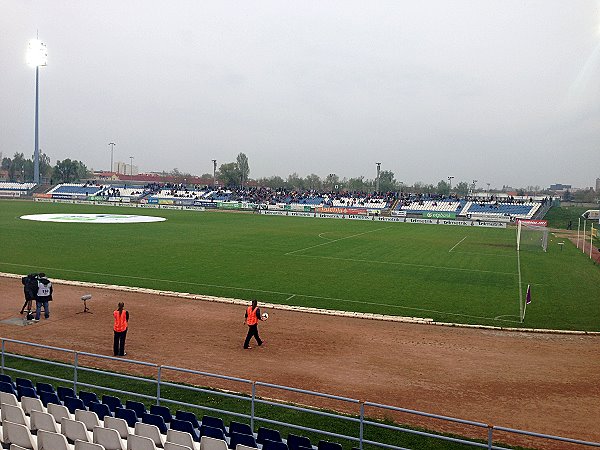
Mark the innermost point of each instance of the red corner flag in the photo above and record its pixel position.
(528, 301)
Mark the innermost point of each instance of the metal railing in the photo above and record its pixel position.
(253, 399)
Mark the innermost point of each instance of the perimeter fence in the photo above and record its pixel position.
(254, 401)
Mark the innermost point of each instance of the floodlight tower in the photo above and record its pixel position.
(378, 171)
(112, 150)
(37, 55)
(214, 161)
(131, 165)
(450, 183)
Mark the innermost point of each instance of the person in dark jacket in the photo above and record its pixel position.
(43, 297)
(30, 287)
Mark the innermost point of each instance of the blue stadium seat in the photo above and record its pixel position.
(185, 426)
(241, 428)
(326, 445)
(240, 438)
(128, 415)
(214, 422)
(274, 445)
(162, 411)
(65, 392)
(88, 397)
(49, 397)
(267, 434)
(73, 403)
(43, 387)
(7, 387)
(112, 402)
(138, 407)
(294, 441)
(189, 416)
(212, 432)
(6, 378)
(100, 409)
(24, 382)
(153, 419)
(26, 391)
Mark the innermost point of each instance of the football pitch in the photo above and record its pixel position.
(444, 273)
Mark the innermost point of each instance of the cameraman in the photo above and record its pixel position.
(30, 287)
(43, 297)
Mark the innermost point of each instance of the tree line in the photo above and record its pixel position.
(20, 169)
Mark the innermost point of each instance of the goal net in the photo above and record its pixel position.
(531, 237)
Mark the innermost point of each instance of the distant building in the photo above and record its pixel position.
(124, 168)
(559, 187)
(597, 184)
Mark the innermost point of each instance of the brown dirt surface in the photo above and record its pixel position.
(547, 383)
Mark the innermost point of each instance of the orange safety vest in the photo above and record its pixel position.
(251, 319)
(120, 321)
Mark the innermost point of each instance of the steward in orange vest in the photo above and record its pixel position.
(251, 319)
(120, 328)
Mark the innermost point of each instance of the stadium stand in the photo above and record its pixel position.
(11, 189)
(73, 190)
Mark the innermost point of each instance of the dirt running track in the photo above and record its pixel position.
(540, 382)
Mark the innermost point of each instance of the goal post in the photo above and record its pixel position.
(531, 237)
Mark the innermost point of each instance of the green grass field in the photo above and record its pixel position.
(451, 274)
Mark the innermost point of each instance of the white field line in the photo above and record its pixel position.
(329, 312)
(484, 254)
(288, 294)
(424, 266)
(456, 245)
(335, 240)
(323, 237)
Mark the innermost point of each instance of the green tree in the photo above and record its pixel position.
(313, 182)
(294, 181)
(462, 188)
(16, 171)
(387, 182)
(357, 184)
(443, 188)
(331, 181)
(69, 171)
(228, 174)
(243, 168)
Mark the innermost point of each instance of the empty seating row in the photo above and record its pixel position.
(43, 408)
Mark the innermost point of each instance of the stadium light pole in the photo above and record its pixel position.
(378, 171)
(214, 161)
(131, 165)
(473, 188)
(37, 55)
(112, 150)
(450, 183)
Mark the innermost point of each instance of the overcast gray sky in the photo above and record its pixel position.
(504, 92)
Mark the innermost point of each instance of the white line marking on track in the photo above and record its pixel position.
(456, 245)
(335, 240)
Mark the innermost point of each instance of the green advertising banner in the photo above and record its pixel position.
(439, 215)
(229, 205)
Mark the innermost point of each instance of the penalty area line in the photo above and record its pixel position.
(335, 240)
(456, 245)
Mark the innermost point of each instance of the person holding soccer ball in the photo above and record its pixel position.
(251, 319)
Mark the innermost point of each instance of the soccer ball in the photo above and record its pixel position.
(265, 316)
